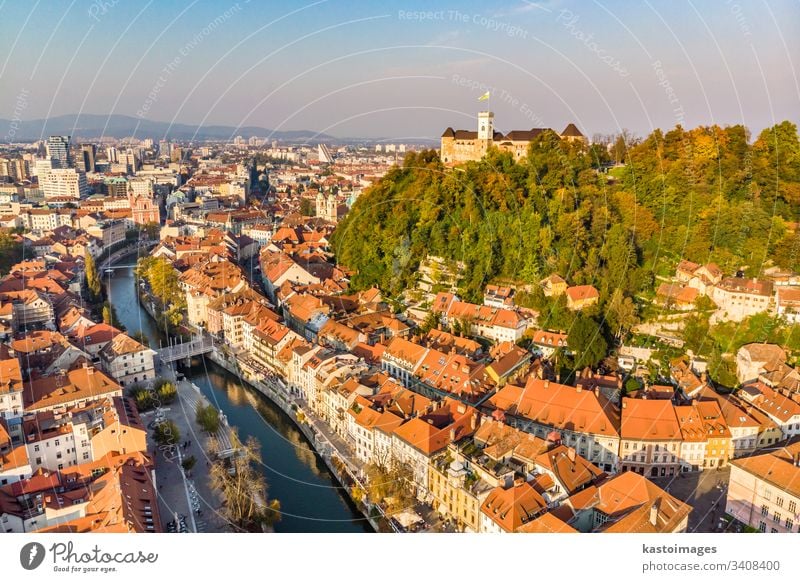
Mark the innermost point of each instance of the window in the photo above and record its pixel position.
(779, 501)
(776, 517)
(767, 494)
(792, 507)
(764, 510)
(762, 527)
(789, 524)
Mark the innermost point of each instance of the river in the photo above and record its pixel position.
(311, 498)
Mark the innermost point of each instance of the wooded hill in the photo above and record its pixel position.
(707, 194)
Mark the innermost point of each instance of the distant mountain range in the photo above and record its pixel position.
(89, 126)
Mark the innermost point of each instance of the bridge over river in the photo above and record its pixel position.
(185, 350)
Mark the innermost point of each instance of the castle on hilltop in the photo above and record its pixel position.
(462, 145)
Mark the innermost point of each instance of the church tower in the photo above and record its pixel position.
(320, 204)
(332, 203)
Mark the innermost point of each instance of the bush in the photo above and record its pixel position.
(208, 418)
(142, 397)
(166, 391)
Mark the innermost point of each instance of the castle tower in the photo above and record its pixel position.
(485, 125)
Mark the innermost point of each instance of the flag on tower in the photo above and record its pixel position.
(485, 96)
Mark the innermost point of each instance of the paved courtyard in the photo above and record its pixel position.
(705, 491)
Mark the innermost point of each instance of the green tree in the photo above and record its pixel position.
(167, 433)
(110, 316)
(586, 341)
(208, 418)
(632, 385)
(93, 283)
(11, 250)
(431, 321)
(188, 463)
(695, 334)
(307, 207)
(621, 314)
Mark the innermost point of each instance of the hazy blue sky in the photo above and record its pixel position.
(378, 69)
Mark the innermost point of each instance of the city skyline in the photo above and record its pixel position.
(404, 71)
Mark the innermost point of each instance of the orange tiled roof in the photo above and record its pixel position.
(559, 406)
(649, 420)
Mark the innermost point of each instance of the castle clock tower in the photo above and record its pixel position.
(486, 125)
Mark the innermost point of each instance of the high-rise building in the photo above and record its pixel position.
(129, 159)
(63, 183)
(41, 166)
(116, 187)
(88, 155)
(112, 155)
(58, 151)
(163, 148)
(325, 156)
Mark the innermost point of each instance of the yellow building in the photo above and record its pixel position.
(719, 446)
(457, 492)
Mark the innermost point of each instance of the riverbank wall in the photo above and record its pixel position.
(344, 471)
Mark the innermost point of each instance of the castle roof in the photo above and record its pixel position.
(571, 131)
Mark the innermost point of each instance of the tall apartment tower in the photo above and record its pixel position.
(88, 153)
(58, 151)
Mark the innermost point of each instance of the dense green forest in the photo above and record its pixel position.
(707, 195)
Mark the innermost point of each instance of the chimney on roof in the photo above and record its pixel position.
(473, 422)
(571, 454)
(654, 514)
(578, 388)
(546, 384)
(452, 435)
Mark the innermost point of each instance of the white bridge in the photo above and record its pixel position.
(181, 351)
